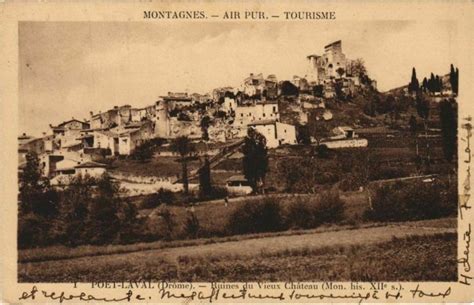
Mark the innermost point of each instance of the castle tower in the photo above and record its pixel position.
(162, 120)
(315, 72)
(334, 58)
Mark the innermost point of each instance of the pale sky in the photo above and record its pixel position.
(70, 68)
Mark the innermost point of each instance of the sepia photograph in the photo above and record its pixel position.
(238, 151)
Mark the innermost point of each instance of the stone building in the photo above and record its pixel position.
(275, 132)
(332, 64)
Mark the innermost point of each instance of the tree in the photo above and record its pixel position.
(340, 71)
(422, 107)
(36, 195)
(414, 85)
(103, 223)
(205, 185)
(425, 85)
(255, 161)
(413, 125)
(358, 68)
(387, 105)
(144, 152)
(37, 205)
(448, 116)
(454, 79)
(318, 90)
(338, 90)
(74, 210)
(439, 84)
(184, 147)
(288, 89)
(205, 123)
(191, 226)
(303, 135)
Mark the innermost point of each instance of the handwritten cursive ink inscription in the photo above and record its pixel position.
(357, 296)
(61, 297)
(417, 292)
(464, 199)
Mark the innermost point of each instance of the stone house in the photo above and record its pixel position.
(275, 132)
(245, 115)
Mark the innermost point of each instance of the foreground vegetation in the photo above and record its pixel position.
(407, 258)
(92, 212)
(389, 261)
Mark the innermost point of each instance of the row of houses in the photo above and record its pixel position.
(72, 144)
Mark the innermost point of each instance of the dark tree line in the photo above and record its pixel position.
(434, 83)
(87, 211)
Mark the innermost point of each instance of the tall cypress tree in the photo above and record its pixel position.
(255, 161)
(448, 116)
(414, 85)
(205, 186)
(425, 84)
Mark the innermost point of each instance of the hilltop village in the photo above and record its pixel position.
(329, 106)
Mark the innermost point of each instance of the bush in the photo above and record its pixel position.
(387, 172)
(413, 201)
(155, 200)
(311, 213)
(32, 231)
(217, 192)
(255, 216)
(191, 226)
(167, 222)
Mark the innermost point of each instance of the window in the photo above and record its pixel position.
(263, 114)
(274, 109)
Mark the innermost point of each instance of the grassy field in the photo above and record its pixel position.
(214, 216)
(353, 248)
(156, 167)
(416, 258)
(408, 258)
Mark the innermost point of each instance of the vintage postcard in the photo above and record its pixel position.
(236, 152)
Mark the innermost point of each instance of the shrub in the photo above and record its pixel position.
(167, 223)
(255, 216)
(155, 200)
(216, 192)
(412, 201)
(191, 226)
(311, 213)
(32, 231)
